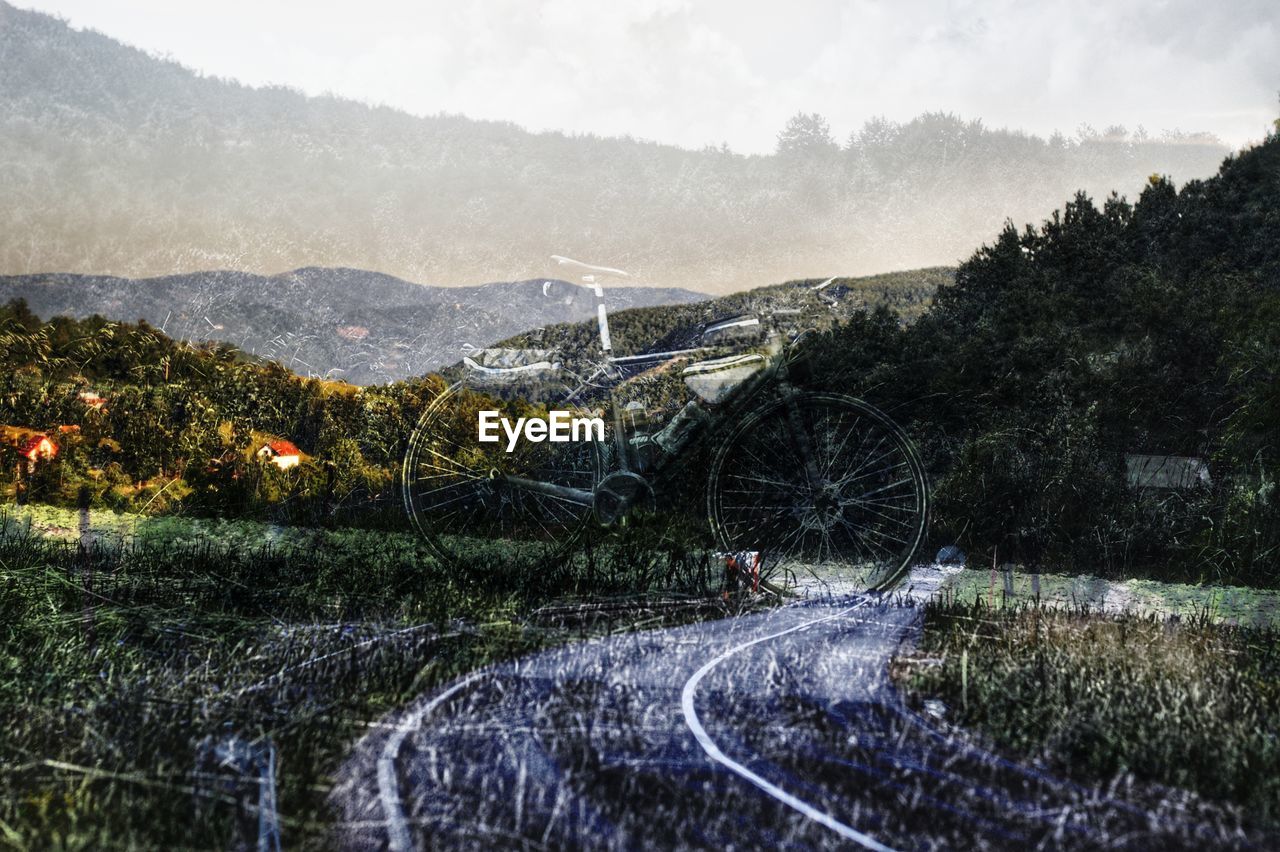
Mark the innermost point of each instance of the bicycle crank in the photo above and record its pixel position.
(619, 493)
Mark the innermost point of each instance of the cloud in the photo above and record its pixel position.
(696, 73)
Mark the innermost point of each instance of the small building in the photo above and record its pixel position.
(280, 452)
(38, 447)
(35, 448)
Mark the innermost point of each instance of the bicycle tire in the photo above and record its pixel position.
(456, 503)
(864, 522)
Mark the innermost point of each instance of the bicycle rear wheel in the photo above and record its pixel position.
(462, 494)
(860, 522)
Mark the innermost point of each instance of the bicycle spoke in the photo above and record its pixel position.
(867, 459)
(864, 531)
(777, 483)
(826, 472)
(890, 518)
(459, 465)
(764, 464)
(887, 487)
(874, 505)
(863, 544)
(889, 502)
(438, 506)
(447, 476)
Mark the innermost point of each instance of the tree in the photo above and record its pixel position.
(806, 135)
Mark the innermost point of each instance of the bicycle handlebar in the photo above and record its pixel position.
(577, 264)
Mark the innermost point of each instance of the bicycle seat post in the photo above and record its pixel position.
(593, 279)
(602, 315)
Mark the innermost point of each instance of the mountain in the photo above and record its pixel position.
(364, 327)
(113, 161)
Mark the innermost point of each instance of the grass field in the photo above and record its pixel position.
(114, 529)
(152, 680)
(1189, 703)
(150, 677)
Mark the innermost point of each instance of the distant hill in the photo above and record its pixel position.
(360, 326)
(113, 161)
(821, 303)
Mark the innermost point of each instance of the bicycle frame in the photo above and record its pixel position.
(817, 476)
(610, 369)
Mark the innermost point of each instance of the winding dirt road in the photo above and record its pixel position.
(775, 729)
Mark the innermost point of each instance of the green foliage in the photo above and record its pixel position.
(1126, 328)
(182, 423)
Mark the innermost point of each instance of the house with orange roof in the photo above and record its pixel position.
(283, 453)
(33, 447)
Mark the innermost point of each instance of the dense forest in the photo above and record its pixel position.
(1150, 327)
(1122, 329)
(117, 162)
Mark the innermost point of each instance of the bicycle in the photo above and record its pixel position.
(813, 480)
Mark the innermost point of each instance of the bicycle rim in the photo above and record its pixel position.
(861, 523)
(453, 491)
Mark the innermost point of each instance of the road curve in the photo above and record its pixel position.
(779, 728)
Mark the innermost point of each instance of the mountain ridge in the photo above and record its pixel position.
(364, 327)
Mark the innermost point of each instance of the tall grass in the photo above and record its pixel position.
(1185, 703)
(129, 673)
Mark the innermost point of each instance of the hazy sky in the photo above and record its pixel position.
(697, 72)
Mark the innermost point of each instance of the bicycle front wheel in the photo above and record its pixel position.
(823, 484)
(468, 497)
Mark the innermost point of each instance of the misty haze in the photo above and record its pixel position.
(121, 163)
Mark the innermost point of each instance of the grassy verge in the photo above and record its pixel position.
(1190, 704)
(1241, 605)
(142, 684)
(111, 528)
